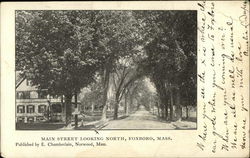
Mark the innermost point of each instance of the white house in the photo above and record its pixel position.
(34, 105)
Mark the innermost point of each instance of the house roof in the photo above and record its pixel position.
(19, 78)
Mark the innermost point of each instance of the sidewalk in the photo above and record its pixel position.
(184, 125)
(93, 125)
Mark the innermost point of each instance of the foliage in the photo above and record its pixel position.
(64, 51)
(170, 44)
(94, 94)
(56, 52)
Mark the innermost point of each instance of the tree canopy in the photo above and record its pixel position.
(169, 40)
(64, 51)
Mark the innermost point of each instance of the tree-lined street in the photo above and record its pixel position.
(108, 64)
(141, 119)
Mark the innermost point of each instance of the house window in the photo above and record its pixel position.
(20, 119)
(20, 95)
(56, 97)
(57, 108)
(20, 109)
(42, 94)
(40, 118)
(23, 95)
(26, 95)
(33, 94)
(30, 108)
(41, 108)
(28, 82)
(30, 119)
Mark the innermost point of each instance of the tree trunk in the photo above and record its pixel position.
(188, 101)
(82, 108)
(137, 103)
(126, 105)
(158, 109)
(92, 107)
(76, 115)
(171, 104)
(68, 99)
(166, 107)
(116, 109)
(63, 115)
(178, 106)
(105, 93)
(131, 102)
(166, 112)
(127, 111)
(187, 112)
(153, 109)
(163, 110)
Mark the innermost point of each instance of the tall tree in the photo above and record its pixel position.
(114, 37)
(125, 74)
(54, 51)
(170, 46)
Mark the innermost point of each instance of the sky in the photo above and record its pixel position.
(150, 85)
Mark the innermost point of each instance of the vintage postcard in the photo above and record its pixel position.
(125, 79)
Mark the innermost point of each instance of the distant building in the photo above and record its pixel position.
(34, 105)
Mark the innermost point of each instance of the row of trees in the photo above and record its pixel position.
(65, 51)
(170, 49)
(127, 98)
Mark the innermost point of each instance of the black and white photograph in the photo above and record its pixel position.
(106, 69)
